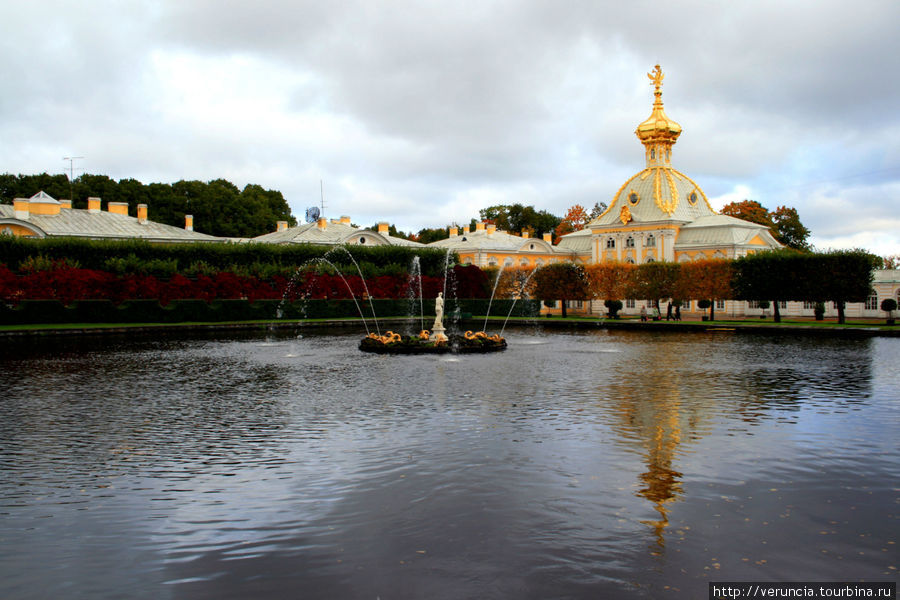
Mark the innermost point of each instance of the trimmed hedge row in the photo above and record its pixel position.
(97, 254)
(179, 311)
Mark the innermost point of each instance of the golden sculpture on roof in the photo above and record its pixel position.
(656, 76)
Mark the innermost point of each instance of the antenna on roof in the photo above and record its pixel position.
(322, 195)
(71, 160)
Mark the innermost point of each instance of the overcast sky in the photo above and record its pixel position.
(421, 113)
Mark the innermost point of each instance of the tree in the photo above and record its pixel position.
(599, 209)
(789, 230)
(654, 281)
(517, 217)
(849, 276)
(749, 210)
(561, 281)
(609, 280)
(890, 262)
(707, 280)
(775, 275)
(889, 305)
(428, 235)
(575, 220)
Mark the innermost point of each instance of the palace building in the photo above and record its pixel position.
(661, 214)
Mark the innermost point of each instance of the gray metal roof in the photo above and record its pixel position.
(72, 222)
(331, 235)
(498, 241)
(657, 193)
(719, 230)
(577, 241)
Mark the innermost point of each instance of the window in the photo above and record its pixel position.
(574, 304)
(492, 261)
(808, 305)
(686, 305)
(362, 240)
(753, 304)
(692, 199)
(629, 260)
(524, 262)
(539, 262)
(652, 153)
(629, 242)
(610, 243)
(650, 259)
(872, 303)
(782, 304)
(720, 305)
(633, 198)
(651, 241)
(508, 262)
(629, 303)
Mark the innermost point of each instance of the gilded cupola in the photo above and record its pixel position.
(658, 133)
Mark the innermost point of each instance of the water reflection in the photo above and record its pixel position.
(596, 464)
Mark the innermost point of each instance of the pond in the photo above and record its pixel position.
(573, 465)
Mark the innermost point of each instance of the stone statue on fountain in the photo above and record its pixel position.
(437, 330)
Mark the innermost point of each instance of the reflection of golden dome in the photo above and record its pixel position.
(658, 127)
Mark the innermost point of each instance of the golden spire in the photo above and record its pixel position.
(658, 133)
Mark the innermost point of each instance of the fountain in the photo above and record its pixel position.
(434, 341)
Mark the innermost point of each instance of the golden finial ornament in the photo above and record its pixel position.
(657, 76)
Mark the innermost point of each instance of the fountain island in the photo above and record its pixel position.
(434, 341)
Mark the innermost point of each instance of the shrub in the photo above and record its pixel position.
(614, 306)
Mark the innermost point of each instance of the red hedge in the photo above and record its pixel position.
(69, 284)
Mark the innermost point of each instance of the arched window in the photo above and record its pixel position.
(650, 259)
(629, 260)
(651, 241)
(508, 262)
(492, 261)
(523, 262)
(539, 262)
(610, 243)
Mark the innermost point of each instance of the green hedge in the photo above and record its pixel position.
(179, 311)
(126, 256)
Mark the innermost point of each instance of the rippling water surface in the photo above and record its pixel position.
(573, 465)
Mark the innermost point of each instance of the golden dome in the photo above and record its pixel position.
(658, 127)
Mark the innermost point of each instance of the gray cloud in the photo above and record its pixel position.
(415, 112)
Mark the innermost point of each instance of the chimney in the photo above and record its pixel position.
(65, 204)
(384, 228)
(525, 234)
(454, 231)
(142, 214)
(118, 208)
(491, 228)
(281, 226)
(322, 223)
(479, 226)
(548, 237)
(345, 220)
(21, 207)
(189, 222)
(93, 205)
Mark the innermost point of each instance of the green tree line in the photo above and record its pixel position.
(218, 206)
